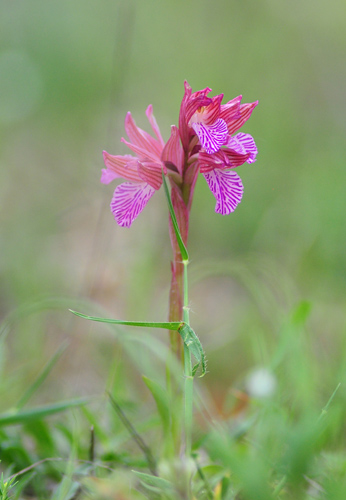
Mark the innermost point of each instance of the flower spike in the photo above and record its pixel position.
(204, 142)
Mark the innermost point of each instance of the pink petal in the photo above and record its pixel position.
(154, 125)
(189, 105)
(141, 139)
(151, 173)
(211, 112)
(227, 188)
(234, 159)
(244, 143)
(230, 111)
(173, 152)
(202, 92)
(207, 162)
(235, 145)
(198, 100)
(211, 137)
(143, 153)
(119, 166)
(222, 159)
(108, 176)
(129, 200)
(245, 113)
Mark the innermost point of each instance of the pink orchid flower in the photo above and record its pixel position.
(206, 128)
(144, 171)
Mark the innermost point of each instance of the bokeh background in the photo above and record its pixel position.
(69, 72)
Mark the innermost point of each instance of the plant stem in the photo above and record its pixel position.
(179, 202)
(187, 372)
(188, 400)
(175, 314)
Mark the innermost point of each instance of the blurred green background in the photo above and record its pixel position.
(69, 72)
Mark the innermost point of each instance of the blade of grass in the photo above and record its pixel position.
(24, 416)
(42, 377)
(325, 409)
(134, 434)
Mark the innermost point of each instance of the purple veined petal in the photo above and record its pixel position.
(128, 201)
(227, 188)
(246, 141)
(211, 137)
(236, 145)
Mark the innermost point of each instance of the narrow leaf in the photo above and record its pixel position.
(134, 434)
(325, 409)
(158, 482)
(41, 377)
(183, 250)
(173, 325)
(24, 416)
(161, 400)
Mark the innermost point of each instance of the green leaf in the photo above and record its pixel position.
(182, 247)
(213, 473)
(157, 482)
(161, 400)
(189, 337)
(134, 434)
(194, 345)
(24, 416)
(173, 325)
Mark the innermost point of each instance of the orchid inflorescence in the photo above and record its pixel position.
(204, 143)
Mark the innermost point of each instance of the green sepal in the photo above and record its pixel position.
(182, 247)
